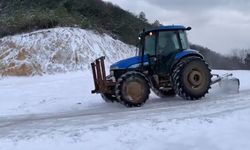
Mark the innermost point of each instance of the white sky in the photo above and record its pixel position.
(221, 25)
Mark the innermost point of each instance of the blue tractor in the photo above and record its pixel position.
(165, 64)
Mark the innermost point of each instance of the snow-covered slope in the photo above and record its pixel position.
(58, 50)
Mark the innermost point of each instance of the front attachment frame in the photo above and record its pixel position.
(102, 85)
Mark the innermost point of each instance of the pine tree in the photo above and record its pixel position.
(157, 23)
(142, 17)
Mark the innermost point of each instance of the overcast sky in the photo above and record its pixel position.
(221, 25)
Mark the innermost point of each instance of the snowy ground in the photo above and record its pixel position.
(58, 112)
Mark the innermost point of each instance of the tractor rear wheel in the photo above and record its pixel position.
(132, 89)
(191, 78)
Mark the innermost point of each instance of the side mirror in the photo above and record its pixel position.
(188, 28)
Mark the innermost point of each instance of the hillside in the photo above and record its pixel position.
(57, 50)
(25, 16)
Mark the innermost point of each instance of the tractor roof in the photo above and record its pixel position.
(169, 27)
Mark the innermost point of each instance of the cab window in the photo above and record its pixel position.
(150, 43)
(184, 40)
(168, 42)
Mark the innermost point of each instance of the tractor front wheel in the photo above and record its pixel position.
(191, 78)
(108, 97)
(132, 89)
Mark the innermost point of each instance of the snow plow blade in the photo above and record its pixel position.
(227, 82)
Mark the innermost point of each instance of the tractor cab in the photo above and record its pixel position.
(160, 48)
(164, 40)
(162, 45)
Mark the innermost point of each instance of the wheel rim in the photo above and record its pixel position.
(134, 91)
(195, 78)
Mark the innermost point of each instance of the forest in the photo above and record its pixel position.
(19, 16)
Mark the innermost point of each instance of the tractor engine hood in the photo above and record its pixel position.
(132, 62)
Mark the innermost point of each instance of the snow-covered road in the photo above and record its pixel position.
(58, 112)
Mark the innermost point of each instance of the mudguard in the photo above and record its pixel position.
(188, 52)
(184, 54)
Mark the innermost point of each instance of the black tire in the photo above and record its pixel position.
(163, 94)
(132, 89)
(191, 78)
(109, 98)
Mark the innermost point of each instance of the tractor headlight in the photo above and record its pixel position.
(112, 75)
(112, 72)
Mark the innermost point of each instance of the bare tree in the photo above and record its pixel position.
(247, 61)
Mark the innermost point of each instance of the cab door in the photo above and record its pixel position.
(150, 48)
(168, 44)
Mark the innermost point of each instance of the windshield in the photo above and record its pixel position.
(168, 41)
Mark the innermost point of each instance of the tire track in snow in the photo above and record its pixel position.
(175, 108)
